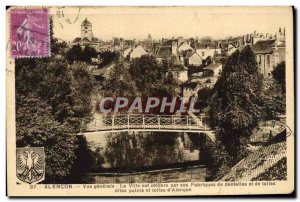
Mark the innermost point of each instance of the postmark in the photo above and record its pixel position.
(29, 33)
(30, 164)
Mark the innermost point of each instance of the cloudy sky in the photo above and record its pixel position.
(130, 23)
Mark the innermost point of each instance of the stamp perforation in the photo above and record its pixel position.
(46, 52)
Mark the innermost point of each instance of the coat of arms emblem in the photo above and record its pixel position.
(30, 164)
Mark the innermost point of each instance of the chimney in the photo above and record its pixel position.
(174, 48)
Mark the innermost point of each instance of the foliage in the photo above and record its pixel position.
(74, 54)
(241, 99)
(52, 104)
(235, 107)
(218, 161)
(77, 54)
(157, 80)
(119, 82)
(37, 127)
(204, 95)
(88, 53)
(56, 46)
(279, 75)
(274, 100)
(86, 159)
(133, 151)
(107, 57)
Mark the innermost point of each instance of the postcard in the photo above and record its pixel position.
(150, 101)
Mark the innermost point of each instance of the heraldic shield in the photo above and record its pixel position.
(30, 164)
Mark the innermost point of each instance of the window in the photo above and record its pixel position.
(259, 59)
(85, 31)
(86, 28)
(203, 54)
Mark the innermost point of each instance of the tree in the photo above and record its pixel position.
(107, 57)
(74, 54)
(279, 75)
(157, 79)
(204, 95)
(88, 53)
(52, 105)
(235, 107)
(119, 82)
(274, 93)
(37, 127)
(137, 150)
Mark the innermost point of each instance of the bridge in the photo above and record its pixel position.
(149, 123)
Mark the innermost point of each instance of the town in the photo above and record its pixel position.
(236, 87)
(199, 60)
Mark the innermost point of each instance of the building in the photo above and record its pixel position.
(184, 46)
(163, 52)
(193, 59)
(269, 53)
(126, 51)
(207, 51)
(137, 52)
(87, 37)
(148, 43)
(212, 70)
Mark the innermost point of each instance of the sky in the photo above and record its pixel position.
(163, 22)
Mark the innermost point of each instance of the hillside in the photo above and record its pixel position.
(266, 163)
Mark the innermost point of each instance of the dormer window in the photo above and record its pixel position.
(86, 27)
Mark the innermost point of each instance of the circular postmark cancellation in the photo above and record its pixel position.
(29, 33)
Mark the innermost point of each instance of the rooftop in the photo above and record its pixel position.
(164, 52)
(263, 47)
(86, 23)
(212, 66)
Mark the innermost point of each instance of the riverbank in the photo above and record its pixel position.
(189, 174)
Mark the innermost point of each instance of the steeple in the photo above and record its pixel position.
(86, 30)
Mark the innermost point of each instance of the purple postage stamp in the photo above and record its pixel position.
(29, 33)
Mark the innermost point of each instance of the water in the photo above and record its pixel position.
(134, 150)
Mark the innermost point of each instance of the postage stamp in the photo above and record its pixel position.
(29, 33)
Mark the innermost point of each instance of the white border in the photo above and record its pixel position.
(296, 3)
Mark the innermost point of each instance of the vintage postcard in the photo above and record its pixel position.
(150, 101)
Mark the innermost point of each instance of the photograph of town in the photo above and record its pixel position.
(157, 95)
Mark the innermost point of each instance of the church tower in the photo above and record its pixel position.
(86, 30)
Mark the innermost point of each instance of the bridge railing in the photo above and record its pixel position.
(133, 121)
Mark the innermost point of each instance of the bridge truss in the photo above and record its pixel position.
(153, 123)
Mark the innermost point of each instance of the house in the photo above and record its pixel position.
(137, 52)
(184, 46)
(268, 54)
(231, 48)
(207, 51)
(212, 70)
(193, 59)
(126, 52)
(179, 45)
(163, 52)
